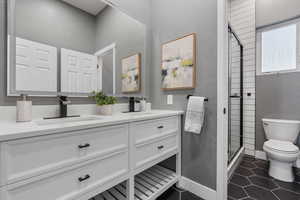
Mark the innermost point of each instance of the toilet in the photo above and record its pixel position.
(280, 148)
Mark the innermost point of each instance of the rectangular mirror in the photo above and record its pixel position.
(71, 48)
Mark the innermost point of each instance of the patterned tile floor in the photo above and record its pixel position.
(251, 181)
(176, 194)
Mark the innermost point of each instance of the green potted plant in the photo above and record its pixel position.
(104, 103)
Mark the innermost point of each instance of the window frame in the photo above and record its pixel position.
(259, 47)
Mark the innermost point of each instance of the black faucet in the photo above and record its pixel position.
(132, 101)
(131, 104)
(63, 105)
(63, 108)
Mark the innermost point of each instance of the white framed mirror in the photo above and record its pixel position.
(69, 47)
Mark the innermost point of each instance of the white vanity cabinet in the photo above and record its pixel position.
(26, 158)
(82, 163)
(154, 139)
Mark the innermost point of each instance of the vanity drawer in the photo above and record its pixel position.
(26, 158)
(148, 152)
(72, 183)
(148, 130)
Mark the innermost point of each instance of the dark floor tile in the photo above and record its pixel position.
(297, 175)
(248, 158)
(177, 194)
(251, 181)
(189, 196)
(261, 172)
(286, 195)
(262, 164)
(263, 182)
(294, 187)
(170, 194)
(240, 180)
(259, 193)
(247, 164)
(297, 178)
(236, 192)
(243, 171)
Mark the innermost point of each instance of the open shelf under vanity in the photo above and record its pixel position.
(149, 185)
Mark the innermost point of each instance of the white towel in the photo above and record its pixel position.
(195, 115)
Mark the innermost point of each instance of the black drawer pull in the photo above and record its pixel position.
(160, 127)
(80, 179)
(82, 146)
(160, 147)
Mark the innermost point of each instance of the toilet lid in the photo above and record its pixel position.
(281, 146)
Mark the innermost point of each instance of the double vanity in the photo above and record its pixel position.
(111, 157)
(73, 49)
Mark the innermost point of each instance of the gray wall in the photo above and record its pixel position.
(271, 11)
(277, 96)
(172, 19)
(129, 36)
(138, 9)
(107, 71)
(55, 23)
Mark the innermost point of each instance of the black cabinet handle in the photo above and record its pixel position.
(82, 146)
(160, 147)
(235, 96)
(160, 127)
(80, 179)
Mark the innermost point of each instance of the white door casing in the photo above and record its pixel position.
(36, 66)
(222, 110)
(112, 47)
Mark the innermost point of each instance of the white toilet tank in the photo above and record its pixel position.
(284, 130)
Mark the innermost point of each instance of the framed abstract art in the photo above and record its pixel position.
(131, 74)
(178, 64)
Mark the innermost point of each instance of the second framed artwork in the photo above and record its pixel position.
(178, 63)
(131, 74)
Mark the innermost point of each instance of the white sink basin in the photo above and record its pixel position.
(67, 120)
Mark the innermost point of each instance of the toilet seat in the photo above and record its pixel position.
(281, 147)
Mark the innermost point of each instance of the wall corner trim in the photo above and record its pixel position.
(197, 189)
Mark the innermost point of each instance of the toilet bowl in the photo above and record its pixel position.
(280, 148)
(281, 155)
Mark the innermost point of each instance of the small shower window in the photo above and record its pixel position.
(278, 49)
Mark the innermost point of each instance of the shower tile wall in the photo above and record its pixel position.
(242, 20)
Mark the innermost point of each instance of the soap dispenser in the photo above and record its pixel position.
(24, 109)
(143, 105)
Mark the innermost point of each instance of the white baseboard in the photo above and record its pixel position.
(261, 155)
(197, 189)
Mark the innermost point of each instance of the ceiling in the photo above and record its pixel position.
(91, 6)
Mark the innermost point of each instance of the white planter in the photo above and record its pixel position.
(105, 110)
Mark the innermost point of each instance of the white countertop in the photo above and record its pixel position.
(10, 130)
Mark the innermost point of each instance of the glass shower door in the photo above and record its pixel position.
(235, 139)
